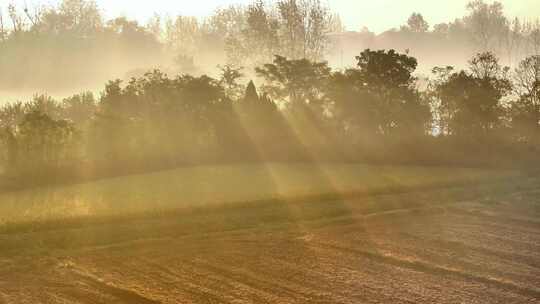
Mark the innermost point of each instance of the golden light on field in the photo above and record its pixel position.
(269, 151)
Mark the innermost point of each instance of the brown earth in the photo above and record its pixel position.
(475, 244)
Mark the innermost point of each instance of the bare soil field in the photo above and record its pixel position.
(460, 244)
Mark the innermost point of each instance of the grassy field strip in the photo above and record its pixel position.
(208, 185)
(101, 232)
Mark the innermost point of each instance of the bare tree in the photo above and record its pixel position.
(534, 38)
(16, 20)
(33, 16)
(527, 82)
(2, 28)
(417, 23)
(182, 36)
(514, 41)
(486, 23)
(525, 109)
(84, 15)
(260, 38)
(305, 25)
(155, 26)
(318, 27)
(486, 66)
(229, 24)
(527, 78)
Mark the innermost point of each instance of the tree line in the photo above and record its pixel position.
(484, 27)
(302, 110)
(35, 41)
(74, 35)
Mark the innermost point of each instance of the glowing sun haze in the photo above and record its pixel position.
(377, 15)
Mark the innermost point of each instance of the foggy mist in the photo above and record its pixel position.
(90, 49)
(269, 151)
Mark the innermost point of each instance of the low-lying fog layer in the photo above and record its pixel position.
(69, 48)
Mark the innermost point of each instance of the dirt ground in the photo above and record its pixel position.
(461, 245)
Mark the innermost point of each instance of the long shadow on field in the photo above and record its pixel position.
(268, 247)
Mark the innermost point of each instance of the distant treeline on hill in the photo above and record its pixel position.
(72, 45)
(303, 110)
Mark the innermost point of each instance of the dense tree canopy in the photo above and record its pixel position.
(302, 110)
(472, 101)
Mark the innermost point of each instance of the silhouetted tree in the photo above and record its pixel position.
(39, 145)
(229, 80)
(472, 100)
(300, 86)
(266, 133)
(294, 81)
(251, 93)
(526, 110)
(353, 109)
(387, 79)
(79, 108)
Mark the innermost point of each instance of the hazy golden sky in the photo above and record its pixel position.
(377, 15)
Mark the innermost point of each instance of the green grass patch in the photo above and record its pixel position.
(214, 185)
